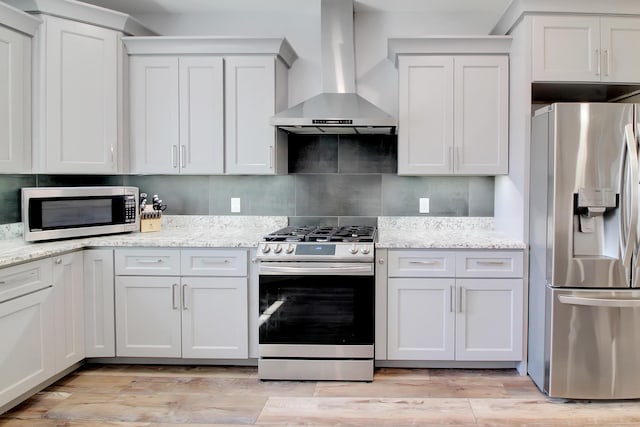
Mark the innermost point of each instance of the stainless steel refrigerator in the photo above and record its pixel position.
(584, 300)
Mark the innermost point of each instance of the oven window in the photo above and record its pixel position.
(336, 310)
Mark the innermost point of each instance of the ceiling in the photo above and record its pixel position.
(143, 7)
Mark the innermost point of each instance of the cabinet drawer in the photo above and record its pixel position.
(147, 262)
(25, 278)
(213, 262)
(489, 264)
(421, 263)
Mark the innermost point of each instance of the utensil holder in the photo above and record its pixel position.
(150, 220)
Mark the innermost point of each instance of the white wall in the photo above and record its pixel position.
(376, 77)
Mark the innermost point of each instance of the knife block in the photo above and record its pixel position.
(150, 220)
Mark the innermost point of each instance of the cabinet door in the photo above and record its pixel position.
(481, 130)
(27, 336)
(15, 102)
(68, 291)
(421, 319)
(249, 104)
(489, 319)
(81, 98)
(425, 115)
(99, 304)
(214, 317)
(155, 130)
(566, 48)
(201, 115)
(620, 38)
(148, 316)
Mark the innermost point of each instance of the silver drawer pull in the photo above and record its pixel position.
(491, 262)
(425, 262)
(149, 261)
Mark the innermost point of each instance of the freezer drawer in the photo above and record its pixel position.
(594, 348)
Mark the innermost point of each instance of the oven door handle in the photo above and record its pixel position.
(333, 270)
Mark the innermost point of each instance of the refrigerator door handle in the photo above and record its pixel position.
(627, 245)
(599, 302)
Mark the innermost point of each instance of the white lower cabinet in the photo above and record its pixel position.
(68, 290)
(197, 308)
(437, 312)
(99, 325)
(27, 330)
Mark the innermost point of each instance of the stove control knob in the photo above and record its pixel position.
(353, 249)
(277, 249)
(290, 249)
(365, 250)
(265, 249)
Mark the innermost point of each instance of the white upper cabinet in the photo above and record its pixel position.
(176, 114)
(78, 86)
(77, 98)
(197, 107)
(453, 115)
(585, 48)
(15, 102)
(254, 92)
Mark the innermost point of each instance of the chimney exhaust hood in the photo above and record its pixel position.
(338, 110)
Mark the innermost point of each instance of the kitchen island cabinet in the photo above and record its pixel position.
(185, 303)
(455, 305)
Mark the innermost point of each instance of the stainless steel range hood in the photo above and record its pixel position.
(338, 110)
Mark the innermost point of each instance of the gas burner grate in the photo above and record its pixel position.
(323, 234)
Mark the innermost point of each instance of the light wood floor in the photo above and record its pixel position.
(136, 396)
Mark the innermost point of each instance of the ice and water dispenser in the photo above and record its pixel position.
(595, 219)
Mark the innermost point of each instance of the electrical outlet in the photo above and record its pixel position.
(424, 205)
(235, 204)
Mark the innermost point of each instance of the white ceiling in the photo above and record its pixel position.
(141, 7)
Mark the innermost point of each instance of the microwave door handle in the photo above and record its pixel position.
(627, 242)
(599, 302)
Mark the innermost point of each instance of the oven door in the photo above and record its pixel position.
(316, 309)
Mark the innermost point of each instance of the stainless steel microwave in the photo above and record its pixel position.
(66, 212)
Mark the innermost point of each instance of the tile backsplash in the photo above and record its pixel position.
(332, 180)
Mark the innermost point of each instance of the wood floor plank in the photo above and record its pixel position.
(372, 412)
(214, 396)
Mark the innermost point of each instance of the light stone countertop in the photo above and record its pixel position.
(177, 231)
(442, 233)
(192, 231)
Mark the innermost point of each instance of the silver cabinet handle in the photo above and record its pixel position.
(605, 58)
(461, 304)
(425, 262)
(451, 298)
(149, 261)
(184, 297)
(457, 158)
(381, 261)
(450, 162)
(597, 56)
(173, 296)
(112, 149)
(59, 261)
(183, 156)
(271, 157)
(174, 155)
(490, 262)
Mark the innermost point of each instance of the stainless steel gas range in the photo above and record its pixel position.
(317, 304)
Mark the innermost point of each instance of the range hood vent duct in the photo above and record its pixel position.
(338, 109)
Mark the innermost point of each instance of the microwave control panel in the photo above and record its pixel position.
(130, 209)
